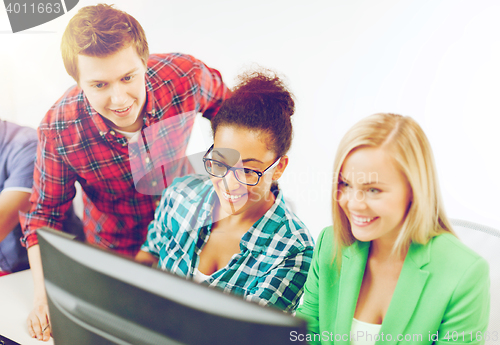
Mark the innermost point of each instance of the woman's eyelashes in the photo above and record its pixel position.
(343, 184)
(371, 190)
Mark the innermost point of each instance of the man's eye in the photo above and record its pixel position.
(374, 190)
(99, 86)
(127, 78)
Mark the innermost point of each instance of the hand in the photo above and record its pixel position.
(146, 258)
(38, 321)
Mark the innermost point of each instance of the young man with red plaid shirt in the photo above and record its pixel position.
(122, 92)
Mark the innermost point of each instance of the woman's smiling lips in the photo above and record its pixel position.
(362, 220)
(232, 198)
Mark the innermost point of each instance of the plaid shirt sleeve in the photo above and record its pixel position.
(283, 285)
(154, 240)
(53, 191)
(213, 91)
(197, 87)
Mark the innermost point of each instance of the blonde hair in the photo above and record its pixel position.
(411, 151)
(101, 31)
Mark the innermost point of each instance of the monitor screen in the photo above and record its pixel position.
(98, 297)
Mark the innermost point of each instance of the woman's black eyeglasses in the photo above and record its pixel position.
(246, 176)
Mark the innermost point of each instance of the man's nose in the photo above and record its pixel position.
(118, 95)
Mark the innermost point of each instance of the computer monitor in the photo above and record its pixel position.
(98, 297)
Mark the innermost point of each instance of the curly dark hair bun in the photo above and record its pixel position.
(262, 102)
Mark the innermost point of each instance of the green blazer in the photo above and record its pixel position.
(443, 287)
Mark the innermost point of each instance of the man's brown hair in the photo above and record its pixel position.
(101, 31)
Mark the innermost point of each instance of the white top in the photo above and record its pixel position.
(363, 333)
(129, 135)
(199, 277)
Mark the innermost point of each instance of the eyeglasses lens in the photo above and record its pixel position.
(215, 168)
(247, 176)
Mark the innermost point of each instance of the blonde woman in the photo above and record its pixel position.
(390, 269)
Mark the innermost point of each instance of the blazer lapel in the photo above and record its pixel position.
(351, 276)
(411, 281)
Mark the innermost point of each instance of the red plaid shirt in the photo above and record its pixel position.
(75, 144)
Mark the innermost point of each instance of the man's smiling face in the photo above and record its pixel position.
(115, 87)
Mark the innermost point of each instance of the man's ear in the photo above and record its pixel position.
(280, 168)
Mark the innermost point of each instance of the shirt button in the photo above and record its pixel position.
(157, 203)
(112, 132)
(154, 183)
(147, 160)
(102, 133)
(124, 144)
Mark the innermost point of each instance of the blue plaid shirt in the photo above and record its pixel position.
(275, 252)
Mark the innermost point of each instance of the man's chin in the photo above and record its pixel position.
(128, 124)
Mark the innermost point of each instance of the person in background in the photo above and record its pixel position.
(17, 159)
(232, 229)
(121, 93)
(391, 269)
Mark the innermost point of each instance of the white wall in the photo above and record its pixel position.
(436, 61)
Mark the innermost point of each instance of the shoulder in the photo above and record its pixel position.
(325, 248)
(189, 188)
(17, 155)
(326, 235)
(290, 227)
(68, 110)
(325, 255)
(448, 260)
(324, 245)
(462, 278)
(447, 250)
(185, 198)
(14, 136)
(447, 247)
(173, 65)
(191, 183)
